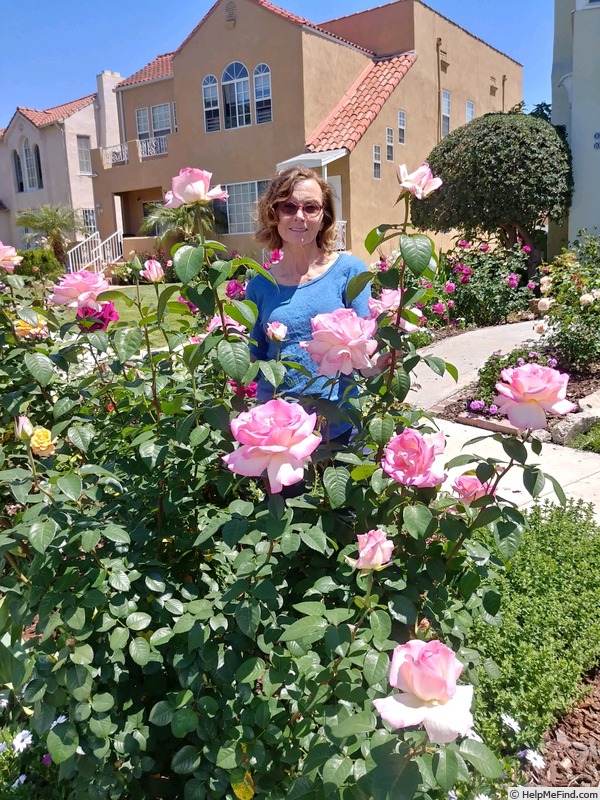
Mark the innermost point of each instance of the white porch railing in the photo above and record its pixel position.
(115, 155)
(340, 242)
(157, 146)
(95, 255)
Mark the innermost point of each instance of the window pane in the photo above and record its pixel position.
(83, 151)
(389, 144)
(210, 95)
(29, 166)
(469, 111)
(142, 123)
(161, 120)
(262, 93)
(89, 219)
(236, 96)
(401, 127)
(376, 161)
(18, 172)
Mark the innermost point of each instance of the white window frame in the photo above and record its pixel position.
(377, 162)
(88, 217)
(445, 120)
(84, 153)
(240, 206)
(469, 111)
(235, 89)
(18, 171)
(164, 128)
(174, 109)
(31, 184)
(262, 94)
(142, 123)
(210, 104)
(389, 144)
(401, 126)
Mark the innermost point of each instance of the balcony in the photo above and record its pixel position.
(157, 146)
(137, 150)
(115, 156)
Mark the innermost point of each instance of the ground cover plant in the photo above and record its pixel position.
(201, 598)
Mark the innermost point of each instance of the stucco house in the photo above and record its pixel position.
(576, 104)
(45, 156)
(254, 88)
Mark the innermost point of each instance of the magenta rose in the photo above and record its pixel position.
(235, 290)
(244, 391)
(528, 392)
(93, 319)
(410, 458)
(469, 488)
(374, 551)
(277, 438)
(193, 186)
(341, 342)
(194, 309)
(79, 289)
(426, 675)
(9, 258)
(419, 183)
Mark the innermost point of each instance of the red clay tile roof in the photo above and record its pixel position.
(157, 70)
(42, 118)
(294, 18)
(359, 107)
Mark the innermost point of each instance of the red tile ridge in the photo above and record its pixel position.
(158, 69)
(56, 113)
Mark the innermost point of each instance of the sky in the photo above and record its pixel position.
(58, 47)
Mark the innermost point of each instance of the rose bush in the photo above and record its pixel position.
(198, 633)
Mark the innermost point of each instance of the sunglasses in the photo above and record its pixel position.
(289, 209)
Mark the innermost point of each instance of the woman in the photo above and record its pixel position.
(296, 214)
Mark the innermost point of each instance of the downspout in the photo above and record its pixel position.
(438, 47)
(121, 117)
(503, 91)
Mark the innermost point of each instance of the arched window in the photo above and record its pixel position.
(30, 172)
(210, 98)
(18, 172)
(236, 95)
(262, 94)
(38, 166)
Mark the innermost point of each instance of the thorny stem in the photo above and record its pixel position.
(16, 569)
(36, 481)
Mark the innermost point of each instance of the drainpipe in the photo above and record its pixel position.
(503, 91)
(121, 117)
(438, 47)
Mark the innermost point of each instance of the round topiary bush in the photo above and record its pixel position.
(39, 263)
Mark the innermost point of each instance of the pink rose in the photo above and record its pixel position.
(410, 458)
(192, 186)
(469, 488)
(9, 258)
(464, 243)
(374, 551)
(484, 248)
(388, 304)
(278, 437)
(276, 256)
(527, 392)
(438, 308)
(342, 341)
(79, 289)
(450, 304)
(276, 331)
(450, 287)
(97, 320)
(426, 674)
(531, 286)
(23, 428)
(233, 328)
(152, 271)
(194, 309)
(526, 248)
(235, 290)
(419, 183)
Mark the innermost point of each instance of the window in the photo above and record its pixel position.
(377, 161)
(38, 166)
(469, 111)
(142, 123)
(30, 167)
(262, 94)
(88, 216)
(389, 144)
(18, 172)
(236, 215)
(401, 127)
(175, 117)
(210, 97)
(161, 120)
(236, 96)
(84, 153)
(445, 113)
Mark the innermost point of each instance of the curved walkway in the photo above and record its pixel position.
(577, 472)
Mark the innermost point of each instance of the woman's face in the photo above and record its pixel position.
(301, 227)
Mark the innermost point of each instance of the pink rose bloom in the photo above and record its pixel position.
(233, 328)
(451, 304)
(526, 248)
(469, 488)
(244, 391)
(23, 428)
(419, 183)
(152, 271)
(9, 258)
(466, 270)
(450, 287)
(276, 331)
(235, 290)
(512, 280)
(527, 392)
(97, 320)
(438, 308)
(388, 304)
(465, 279)
(194, 309)
(426, 674)
(342, 342)
(193, 186)
(531, 286)
(464, 243)
(276, 256)
(79, 289)
(484, 248)
(277, 437)
(410, 458)
(374, 551)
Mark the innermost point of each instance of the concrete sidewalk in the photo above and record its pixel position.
(577, 472)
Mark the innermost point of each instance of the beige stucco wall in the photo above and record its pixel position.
(386, 29)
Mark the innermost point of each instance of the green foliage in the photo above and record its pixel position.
(574, 299)
(589, 441)
(500, 171)
(57, 224)
(550, 630)
(39, 264)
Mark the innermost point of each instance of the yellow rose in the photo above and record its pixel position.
(42, 443)
(23, 329)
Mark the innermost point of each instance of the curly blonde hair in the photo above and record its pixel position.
(280, 189)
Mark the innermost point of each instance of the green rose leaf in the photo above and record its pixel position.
(315, 539)
(482, 758)
(62, 742)
(186, 760)
(381, 430)
(98, 340)
(102, 702)
(80, 436)
(394, 778)
(445, 768)
(40, 366)
(416, 250)
(127, 342)
(234, 357)
(357, 284)
(274, 372)
(138, 621)
(416, 520)
(309, 629)
(188, 262)
(139, 650)
(336, 770)
(336, 480)
(363, 722)
(162, 713)
(41, 534)
(70, 485)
